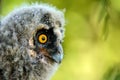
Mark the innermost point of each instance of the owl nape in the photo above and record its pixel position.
(30, 42)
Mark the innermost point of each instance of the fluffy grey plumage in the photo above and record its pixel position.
(22, 55)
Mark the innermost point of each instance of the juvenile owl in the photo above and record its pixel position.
(30, 43)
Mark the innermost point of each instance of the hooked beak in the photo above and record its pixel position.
(57, 56)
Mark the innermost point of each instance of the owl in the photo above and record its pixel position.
(31, 42)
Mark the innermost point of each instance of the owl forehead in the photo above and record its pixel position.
(44, 14)
(48, 18)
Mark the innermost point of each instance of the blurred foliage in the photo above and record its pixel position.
(113, 73)
(92, 41)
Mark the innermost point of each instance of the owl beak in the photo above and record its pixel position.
(57, 56)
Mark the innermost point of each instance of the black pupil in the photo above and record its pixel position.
(43, 38)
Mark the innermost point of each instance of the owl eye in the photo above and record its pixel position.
(42, 38)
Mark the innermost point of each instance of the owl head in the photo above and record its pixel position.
(47, 35)
(36, 31)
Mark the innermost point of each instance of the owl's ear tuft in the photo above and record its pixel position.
(58, 23)
(46, 19)
(47, 15)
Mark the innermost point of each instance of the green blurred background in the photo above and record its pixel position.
(92, 38)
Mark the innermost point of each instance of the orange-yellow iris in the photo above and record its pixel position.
(42, 38)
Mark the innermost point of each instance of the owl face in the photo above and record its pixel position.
(47, 35)
(48, 45)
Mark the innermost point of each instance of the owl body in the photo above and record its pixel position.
(30, 43)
